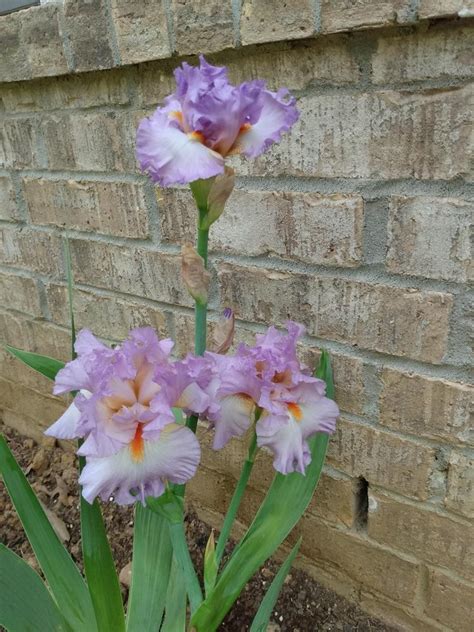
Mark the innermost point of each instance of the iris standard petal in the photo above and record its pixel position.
(173, 456)
(278, 114)
(170, 156)
(233, 419)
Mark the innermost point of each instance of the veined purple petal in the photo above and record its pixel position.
(290, 450)
(173, 456)
(66, 426)
(278, 114)
(171, 156)
(233, 420)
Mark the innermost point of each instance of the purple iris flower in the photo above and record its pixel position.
(207, 119)
(123, 411)
(270, 378)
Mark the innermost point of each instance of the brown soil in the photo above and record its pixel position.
(303, 606)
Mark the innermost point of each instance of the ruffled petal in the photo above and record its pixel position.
(173, 456)
(277, 116)
(286, 441)
(170, 156)
(233, 418)
(319, 416)
(72, 377)
(66, 426)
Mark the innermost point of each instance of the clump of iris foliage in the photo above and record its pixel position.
(136, 408)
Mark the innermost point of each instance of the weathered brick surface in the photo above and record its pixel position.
(20, 293)
(360, 450)
(108, 317)
(398, 321)
(298, 65)
(436, 8)
(87, 32)
(450, 602)
(425, 406)
(345, 15)
(460, 492)
(307, 227)
(384, 135)
(114, 208)
(134, 271)
(267, 21)
(42, 38)
(431, 237)
(86, 142)
(202, 25)
(31, 250)
(13, 60)
(8, 208)
(441, 52)
(363, 562)
(35, 335)
(18, 143)
(428, 535)
(142, 30)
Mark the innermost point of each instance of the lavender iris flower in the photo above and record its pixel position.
(131, 442)
(270, 377)
(206, 119)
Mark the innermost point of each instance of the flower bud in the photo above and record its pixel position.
(195, 276)
(223, 335)
(219, 193)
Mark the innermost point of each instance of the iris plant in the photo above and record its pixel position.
(135, 410)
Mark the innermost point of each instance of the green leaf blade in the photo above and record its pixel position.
(45, 365)
(102, 579)
(151, 563)
(63, 577)
(25, 603)
(264, 612)
(270, 526)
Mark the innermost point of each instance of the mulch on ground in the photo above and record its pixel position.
(303, 606)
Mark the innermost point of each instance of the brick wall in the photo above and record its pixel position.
(357, 224)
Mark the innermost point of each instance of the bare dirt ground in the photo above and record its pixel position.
(303, 606)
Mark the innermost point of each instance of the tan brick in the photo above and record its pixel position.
(431, 237)
(115, 208)
(391, 320)
(13, 60)
(460, 492)
(267, 21)
(202, 25)
(382, 459)
(108, 317)
(17, 372)
(134, 271)
(86, 141)
(383, 135)
(367, 565)
(347, 15)
(73, 91)
(8, 208)
(42, 39)
(422, 55)
(333, 500)
(425, 406)
(35, 335)
(31, 250)
(19, 293)
(142, 30)
(348, 379)
(155, 82)
(88, 35)
(18, 139)
(438, 8)
(34, 411)
(296, 65)
(309, 227)
(450, 601)
(425, 534)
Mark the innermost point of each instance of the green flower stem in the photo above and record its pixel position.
(200, 309)
(183, 558)
(236, 499)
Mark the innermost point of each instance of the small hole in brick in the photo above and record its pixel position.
(361, 503)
